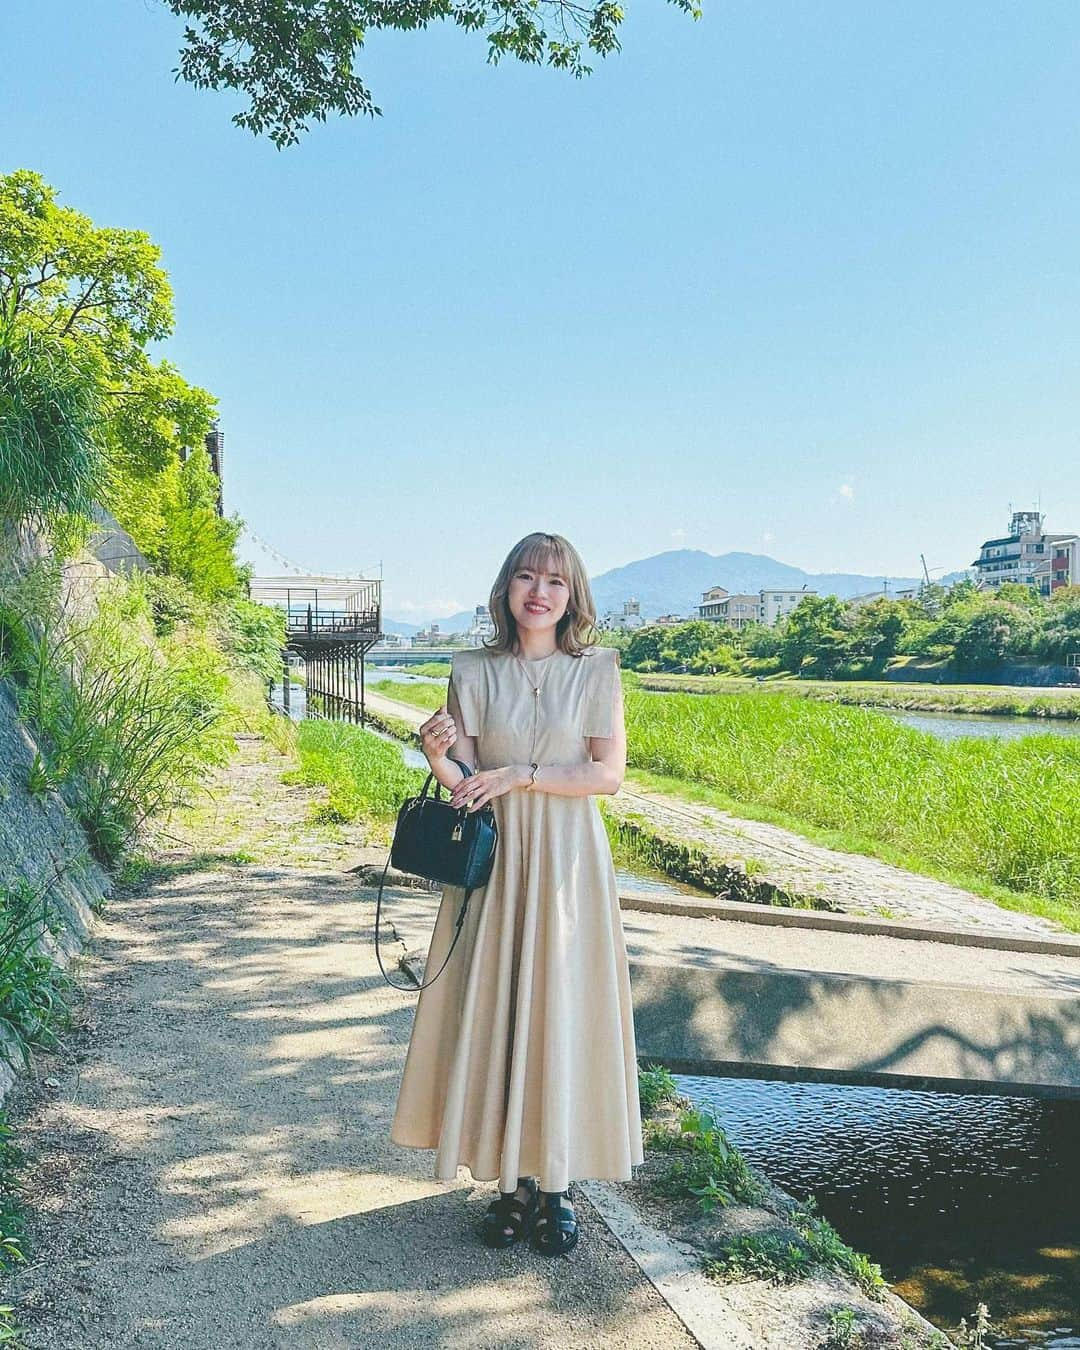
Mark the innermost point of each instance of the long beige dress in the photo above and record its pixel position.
(522, 1059)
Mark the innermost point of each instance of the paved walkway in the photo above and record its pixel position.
(209, 1163)
(849, 882)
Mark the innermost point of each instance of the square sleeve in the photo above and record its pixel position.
(464, 690)
(600, 691)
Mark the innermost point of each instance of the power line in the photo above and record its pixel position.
(307, 571)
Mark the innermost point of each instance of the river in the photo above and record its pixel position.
(960, 1198)
(957, 726)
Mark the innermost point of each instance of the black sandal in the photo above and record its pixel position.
(510, 1212)
(554, 1230)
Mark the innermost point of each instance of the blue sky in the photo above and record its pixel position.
(799, 279)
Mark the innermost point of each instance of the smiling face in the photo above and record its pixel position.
(538, 595)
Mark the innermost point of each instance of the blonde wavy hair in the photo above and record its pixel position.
(576, 630)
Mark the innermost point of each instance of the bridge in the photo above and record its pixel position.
(409, 656)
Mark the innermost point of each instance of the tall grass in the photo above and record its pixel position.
(50, 418)
(365, 775)
(958, 698)
(128, 727)
(425, 696)
(33, 988)
(1004, 812)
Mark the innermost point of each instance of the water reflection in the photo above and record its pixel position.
(960, 1198)
(954, 726)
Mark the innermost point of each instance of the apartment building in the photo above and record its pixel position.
(778, 604)
(1029, 556)
(765, 606)
(629, 617)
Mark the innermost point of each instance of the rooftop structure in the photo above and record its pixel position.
(1029, 556)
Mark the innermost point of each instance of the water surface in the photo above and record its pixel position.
(960, 1198)
(955, 726)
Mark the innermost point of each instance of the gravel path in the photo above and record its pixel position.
(850, 882)
(209, 1164)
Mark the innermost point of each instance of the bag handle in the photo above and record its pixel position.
(459, 923)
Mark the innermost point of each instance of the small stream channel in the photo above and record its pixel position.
(961, 1199)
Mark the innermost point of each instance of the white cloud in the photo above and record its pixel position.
(768, 537)
(680, 533)
(847, 492)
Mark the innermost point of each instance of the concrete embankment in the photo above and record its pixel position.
(43, 851)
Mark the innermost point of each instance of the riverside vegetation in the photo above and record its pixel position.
(1001, 818)
(694, 1179)
(957, 633)
(129, 687)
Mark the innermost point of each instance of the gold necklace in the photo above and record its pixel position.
(535, 687)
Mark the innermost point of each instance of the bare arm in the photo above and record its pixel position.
(440, 735)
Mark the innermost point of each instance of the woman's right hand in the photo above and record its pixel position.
(437, 735)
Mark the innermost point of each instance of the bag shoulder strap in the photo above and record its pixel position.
(459, 923)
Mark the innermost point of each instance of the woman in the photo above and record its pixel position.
(522, 1061)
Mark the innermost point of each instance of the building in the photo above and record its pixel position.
(778, 604)
(740, 610)
(630, 617)
(429, 637)
(1028, 556)
(481, 627)
(215, 448)
(766, 606)
(713, 604)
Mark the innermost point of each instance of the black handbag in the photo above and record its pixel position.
(443, 843)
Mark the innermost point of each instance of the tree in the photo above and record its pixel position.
(645, 645)
(198, 545)
(104, 294)
(1060, 636)
(101, 296)
(814, 633)
(293, 59)
(994, 631)
(104, 286)
(50, 420)
(876, 631)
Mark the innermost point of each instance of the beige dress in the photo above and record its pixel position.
(522, 1059)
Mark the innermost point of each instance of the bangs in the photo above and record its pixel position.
(545, 557)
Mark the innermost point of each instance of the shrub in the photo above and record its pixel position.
(655, 1086)
(129, 728)
(50, 418)
(33, 988)
(252, 636)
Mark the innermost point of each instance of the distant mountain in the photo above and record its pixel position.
(673, 582)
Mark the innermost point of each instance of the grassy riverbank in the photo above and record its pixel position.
(428, 696)
(1004, 813)
(999, 817)
(956, 698)
(364, 775)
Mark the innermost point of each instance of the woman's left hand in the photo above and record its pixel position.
(480, 788)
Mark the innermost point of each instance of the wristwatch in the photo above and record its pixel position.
(532, 777)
